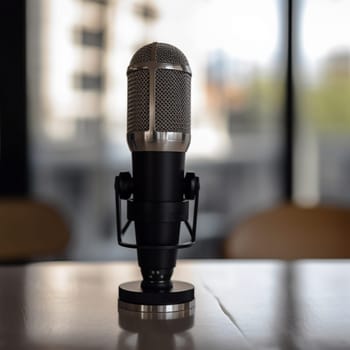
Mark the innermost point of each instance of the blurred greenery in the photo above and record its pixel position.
(327, 103)
(267, 95)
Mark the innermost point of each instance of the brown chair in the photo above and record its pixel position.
(292, 232)
(29, 230)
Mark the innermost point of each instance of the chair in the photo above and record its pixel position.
(29, 230)
(292, 232)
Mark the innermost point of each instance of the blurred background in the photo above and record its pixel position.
(270, 107)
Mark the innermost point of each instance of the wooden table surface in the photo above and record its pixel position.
(239, 305)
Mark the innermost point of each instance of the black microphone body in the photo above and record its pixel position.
(158, 179)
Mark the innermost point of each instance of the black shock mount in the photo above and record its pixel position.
(156, 211)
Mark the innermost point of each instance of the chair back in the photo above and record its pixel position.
(30, 229)
(292, 232)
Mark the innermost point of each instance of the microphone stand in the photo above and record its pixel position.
(156, 295)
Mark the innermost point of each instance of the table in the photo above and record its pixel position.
(239, 305)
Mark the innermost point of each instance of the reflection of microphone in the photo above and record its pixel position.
(168, 328)
(158, 133)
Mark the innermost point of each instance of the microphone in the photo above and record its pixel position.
(158, 194)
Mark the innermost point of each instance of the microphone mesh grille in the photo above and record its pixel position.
(143, 55)
(172, 91)
(138, 101)
(173, 101)
(166, 53)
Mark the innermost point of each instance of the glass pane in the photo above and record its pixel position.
(78, 53)
(323, 86)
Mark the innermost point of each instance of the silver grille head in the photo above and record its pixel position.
(159, 99)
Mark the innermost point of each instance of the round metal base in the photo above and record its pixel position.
(177, 299)
(184, 307)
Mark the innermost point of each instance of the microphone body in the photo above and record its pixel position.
(158, 135)
(158, 180)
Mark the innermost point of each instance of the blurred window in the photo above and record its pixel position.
(323, 89)
(78, 52)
